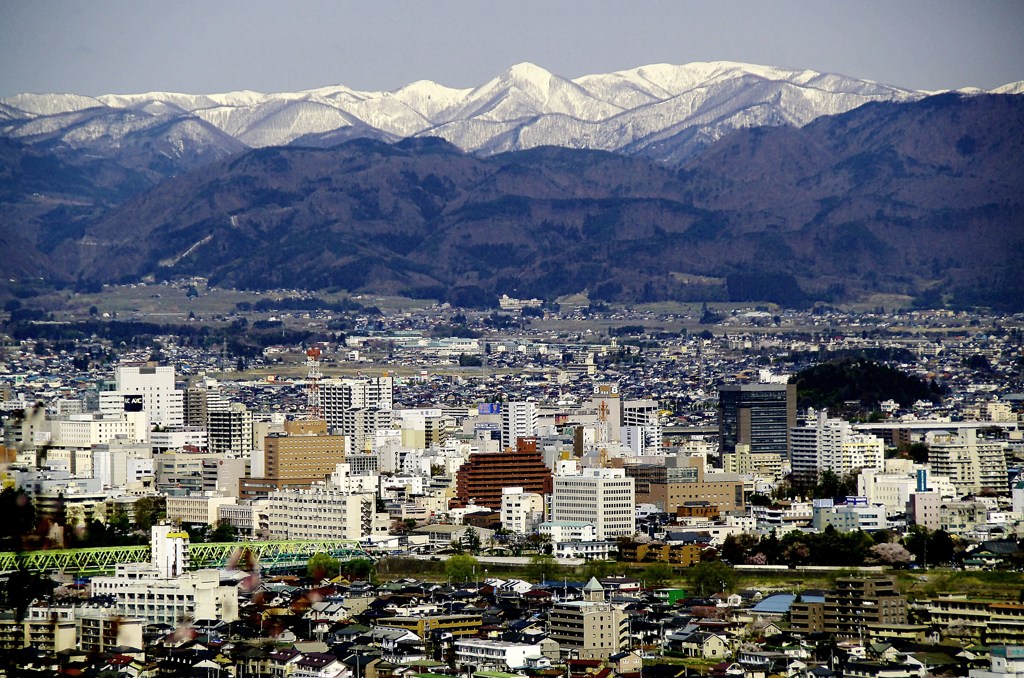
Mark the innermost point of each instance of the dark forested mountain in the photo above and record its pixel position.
(922, 198)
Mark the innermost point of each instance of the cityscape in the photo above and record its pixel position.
(517, 490)
(572, 339)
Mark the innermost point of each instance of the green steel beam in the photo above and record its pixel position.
(95, 560)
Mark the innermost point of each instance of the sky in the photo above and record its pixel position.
(206, 46)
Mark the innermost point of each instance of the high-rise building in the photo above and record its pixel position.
(827, 444)
(484, 476)
(155, 384)
(302, 455)
(758, 415)
(603, 496)
(685, 479)
(338, 395)
(229, 431)
(323, 512)
(518, 420)
(971, 463)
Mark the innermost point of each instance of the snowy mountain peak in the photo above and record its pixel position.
(665, 111)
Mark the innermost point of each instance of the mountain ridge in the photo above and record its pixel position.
(900, 198)
(524, 106)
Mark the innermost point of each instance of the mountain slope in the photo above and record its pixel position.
(885, 198)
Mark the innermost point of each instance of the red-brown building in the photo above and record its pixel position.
(485, 475)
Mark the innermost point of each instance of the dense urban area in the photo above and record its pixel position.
(211, 482)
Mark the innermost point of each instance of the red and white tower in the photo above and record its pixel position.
(313, 408)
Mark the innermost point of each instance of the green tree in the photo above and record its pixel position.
(471, 540)
(224, 532)
(712, 577)
(148, 512)
(658, 574)
(322, 566)
(543, 567)
(596, 568)
(358, 568)
(460, 568)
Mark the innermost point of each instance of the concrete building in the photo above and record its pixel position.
(162, 592)
(521, 512)
(120, 463)
(203, 509)
(604, 496)
(857, 602)
(683, 480)
(229, 430)
(591, 628)
(518, 420)
(499, 655)
(973, 464)
(323, 512)
(304, 454)
(758, 415)
(484, 477)
(855, 514)
(155, 384)
(826, 444)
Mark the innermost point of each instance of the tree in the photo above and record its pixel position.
(712, 577)
(358, 568)
(471, 540)
(543, 568)
(460, 568)
(322, 566)
(224, 532)
(148, 512)
(892, 553)
(657, 574)
(596, 568)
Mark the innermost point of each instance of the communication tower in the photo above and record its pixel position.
(313, 409)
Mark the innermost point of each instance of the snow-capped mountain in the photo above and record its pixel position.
(663, 111)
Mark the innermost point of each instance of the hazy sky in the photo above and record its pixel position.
(112, 46)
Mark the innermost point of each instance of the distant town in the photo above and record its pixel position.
(208, 482)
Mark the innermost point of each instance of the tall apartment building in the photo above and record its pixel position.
(971, 463)
(155, 384)
(302, 455)
(484, 476)
(229, 430)
(199, 398)
(826, 444)
(758, 415)
(518, 420)
(858, 602)
(357, 407)
(591, 628)
(603, 496)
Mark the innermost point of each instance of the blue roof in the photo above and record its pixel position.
(779, 603)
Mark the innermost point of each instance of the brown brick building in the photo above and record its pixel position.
(485, 475)
(303, 455)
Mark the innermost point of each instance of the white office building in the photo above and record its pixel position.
(159, 398)
(604, 497)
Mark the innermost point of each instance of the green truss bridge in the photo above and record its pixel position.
(270, 555)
